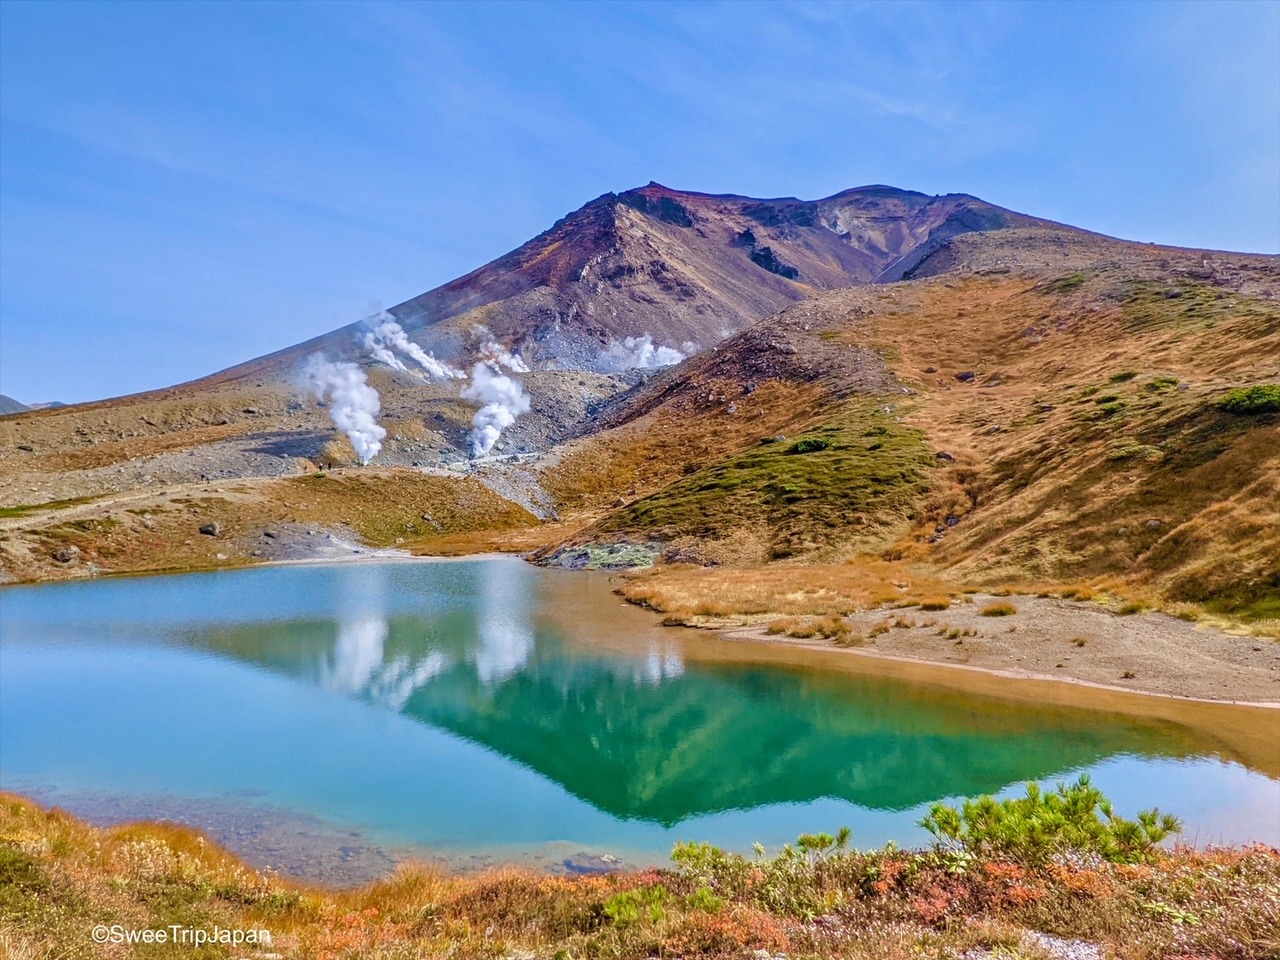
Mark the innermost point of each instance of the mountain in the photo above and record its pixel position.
(683, 268)
(690, 267)
(9, 405)
(931, 380)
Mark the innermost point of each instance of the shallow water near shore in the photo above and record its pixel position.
(325, 719)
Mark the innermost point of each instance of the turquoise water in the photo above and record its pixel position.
(491, 707)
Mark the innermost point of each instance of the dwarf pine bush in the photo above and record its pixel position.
(1074, 817)
(1260, 398)
(632, 906)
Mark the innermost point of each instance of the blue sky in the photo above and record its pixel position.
(187, 185)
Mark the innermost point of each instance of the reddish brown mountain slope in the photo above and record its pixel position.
(686, 268)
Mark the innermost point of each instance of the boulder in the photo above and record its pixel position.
(211, 529)
(588, 864)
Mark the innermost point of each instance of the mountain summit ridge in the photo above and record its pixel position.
(688, 267)
(682, 267)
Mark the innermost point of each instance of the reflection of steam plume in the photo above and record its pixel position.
(638, 353)
(358, 653)
(661, 663)
(505, 634)
(360, 666)
(353, 404)
(383, 333)
(362, 630)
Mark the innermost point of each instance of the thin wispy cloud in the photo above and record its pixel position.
(264, 170)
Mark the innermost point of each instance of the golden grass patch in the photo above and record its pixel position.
(998, 610)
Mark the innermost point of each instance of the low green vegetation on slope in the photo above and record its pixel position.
(1149, 306)
(1006, 879)
(1159, 478)
(855, 479)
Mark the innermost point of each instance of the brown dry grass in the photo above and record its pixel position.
(516, 539)
(159, 531)
(61, 877)
(692, 593)
(1045, 482)
(650, 452)
(1044, 485)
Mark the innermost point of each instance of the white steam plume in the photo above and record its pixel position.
(502, 397)
(503, 400)
(638, 353)
(495, 352)
(383, 333)
(353, 404)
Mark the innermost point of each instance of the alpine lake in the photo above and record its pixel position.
(328, 719)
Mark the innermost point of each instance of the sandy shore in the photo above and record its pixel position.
(1067, 641)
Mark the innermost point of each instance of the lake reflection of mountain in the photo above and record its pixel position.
(638, 733)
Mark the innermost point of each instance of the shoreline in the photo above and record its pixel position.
(738, 636)
(749, 634)
(1050, 640)
(393, 556)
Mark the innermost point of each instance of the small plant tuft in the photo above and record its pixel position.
(809, 445)
(998, 610)
(633, 906)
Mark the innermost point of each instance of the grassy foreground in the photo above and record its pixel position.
(986, 890)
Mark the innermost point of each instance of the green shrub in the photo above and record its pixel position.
(1250, 401)
(1138, 451)
(1124, 377)
(809, 445)
(806, 879)
(704, 899)
(1031, 829)
(625, 909)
